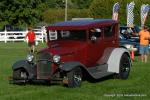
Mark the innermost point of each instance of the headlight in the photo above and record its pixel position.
(56, 58)
(129, 47)
(30, 57)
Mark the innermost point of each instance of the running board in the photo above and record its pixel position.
(99, 71)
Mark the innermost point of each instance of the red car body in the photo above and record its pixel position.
(86, 52)
(79, 46)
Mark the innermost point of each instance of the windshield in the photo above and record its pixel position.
(67, 35)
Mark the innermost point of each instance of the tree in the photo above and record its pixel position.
(81, 3)
(103, 9)
(56, 15)
(21, 12)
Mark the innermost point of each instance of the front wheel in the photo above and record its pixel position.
(125, 65)
(20, 74)
(74, 77)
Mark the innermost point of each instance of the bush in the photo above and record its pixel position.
(56, 15)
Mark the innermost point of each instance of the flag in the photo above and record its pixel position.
(116, 8)
(144, 12)
(130, 14)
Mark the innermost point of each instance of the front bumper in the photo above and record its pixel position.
(131, 48)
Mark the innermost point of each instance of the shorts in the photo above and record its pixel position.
(144, 49)
(31, 44)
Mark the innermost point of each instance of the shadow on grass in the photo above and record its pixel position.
(35, 83)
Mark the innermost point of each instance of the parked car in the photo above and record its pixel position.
(11, 28)
(128, 32)
(131, 44)
(8, 28)
(76, 49)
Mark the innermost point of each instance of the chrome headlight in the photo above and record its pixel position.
(129, 47)
(56, 58)
(29, 57)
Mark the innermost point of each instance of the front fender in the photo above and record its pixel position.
(67, 66)
(25, 65)
(20, 64)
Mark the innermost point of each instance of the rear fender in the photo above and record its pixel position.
(114, 59)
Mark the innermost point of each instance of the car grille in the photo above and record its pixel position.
(43, 65)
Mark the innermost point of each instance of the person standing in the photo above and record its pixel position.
(31, 40)
(144, 43)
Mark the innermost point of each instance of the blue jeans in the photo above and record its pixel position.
(144, 50)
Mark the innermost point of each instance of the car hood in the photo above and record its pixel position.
(134, 40)
(128, 41)
(66, 47)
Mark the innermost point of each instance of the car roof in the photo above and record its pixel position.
(81, 24)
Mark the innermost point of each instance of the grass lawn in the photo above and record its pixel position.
(136, 87)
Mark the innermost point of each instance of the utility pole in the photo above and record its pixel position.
(66, 8)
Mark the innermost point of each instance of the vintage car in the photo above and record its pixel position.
(76, 50)
(130, 32)
(132, 44)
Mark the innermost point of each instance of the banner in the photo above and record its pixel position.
(130, 14)
(144, 12)
(116, 8)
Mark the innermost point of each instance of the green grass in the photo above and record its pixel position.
(110, 89)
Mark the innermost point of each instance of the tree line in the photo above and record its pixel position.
(21, 12)
(103, 9)
(31, 12)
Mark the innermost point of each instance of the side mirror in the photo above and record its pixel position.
(93, 38)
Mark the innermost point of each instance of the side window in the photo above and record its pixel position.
(108, 31)
(65, 34)
(97, 32)
(52, 35)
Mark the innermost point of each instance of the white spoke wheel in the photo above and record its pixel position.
(74, 77)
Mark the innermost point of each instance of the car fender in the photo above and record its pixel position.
(23, 64)
(68, 66)
(114, 59)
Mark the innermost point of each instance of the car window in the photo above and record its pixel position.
(67, 35)
(95, 32)
(53, 35)
(108, 31)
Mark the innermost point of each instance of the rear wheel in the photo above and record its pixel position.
(74, 77)
(125, 65)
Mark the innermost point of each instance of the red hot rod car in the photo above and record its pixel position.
(76, 48)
